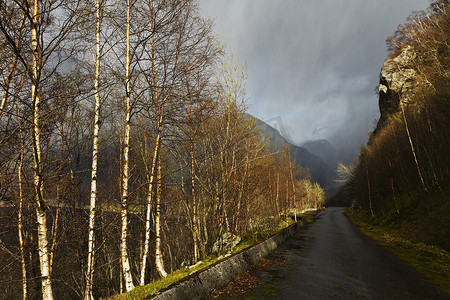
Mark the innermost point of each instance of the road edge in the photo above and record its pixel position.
(200, 285)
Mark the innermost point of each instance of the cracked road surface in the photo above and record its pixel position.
(332, 259)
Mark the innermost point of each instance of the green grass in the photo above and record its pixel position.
(309, 217)
(271, 290)
(431, 261)
(144, 292)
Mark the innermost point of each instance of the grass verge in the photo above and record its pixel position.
(431, 261)
(144, 292)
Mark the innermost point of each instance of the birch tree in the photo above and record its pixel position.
(93, 195)
(46, 39)
(38, 180)
(126, 267)
(179, 41)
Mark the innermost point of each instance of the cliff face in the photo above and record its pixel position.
(398, 81)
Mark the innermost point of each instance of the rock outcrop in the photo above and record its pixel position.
(398, 81)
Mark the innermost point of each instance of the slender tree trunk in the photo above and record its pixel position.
(293, 188)
(58, 205)
(393, 190)
(242, 203)
(277, 193)
(203, 241)
(195, 234)
(287, 199)
(41, 215)
(233, 217)
(370, 194)
(20, 230)
(158, 255)
(93, 197)
(412, 146)
(12, 69)
(159, 113)
(20, 214)
(194, 204)
(55, 223)
(151, 173)
(125, 174)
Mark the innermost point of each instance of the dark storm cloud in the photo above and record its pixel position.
(313, 63)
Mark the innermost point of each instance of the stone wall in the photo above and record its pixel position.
(200, 284)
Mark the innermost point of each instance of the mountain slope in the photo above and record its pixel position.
(323, 149)
(319, 170)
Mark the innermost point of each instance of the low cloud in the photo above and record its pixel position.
(314, 63)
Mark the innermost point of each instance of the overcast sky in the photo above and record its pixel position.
(314, 63)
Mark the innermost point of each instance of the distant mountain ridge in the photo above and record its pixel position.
(319, 170)
(323, 149)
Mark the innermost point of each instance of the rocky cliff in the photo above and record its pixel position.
(398, 81)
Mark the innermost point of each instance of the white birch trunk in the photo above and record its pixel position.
(20, 215)
(124, 211)
(194, 208)
(158, 255)
(38, 180)
(148, 211)
(93, 197)
(194, 204)
(412, 147)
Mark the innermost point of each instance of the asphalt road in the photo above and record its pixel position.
(332, 259)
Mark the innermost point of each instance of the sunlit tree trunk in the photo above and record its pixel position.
(369, 192)
(56, 218)
(159, 113)
(277, 192)
(150, 175)
(161, 94)
(412, 146)
(194, 204)
(93, 197)
(158, 255)
(125, 173)
(293, 188)
(20, 213)
(233, 217)
(287, 198)
(41, 215)
(393, 190)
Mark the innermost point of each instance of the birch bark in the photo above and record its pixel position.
(93, 196)
(41, 215)
(125, 174)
